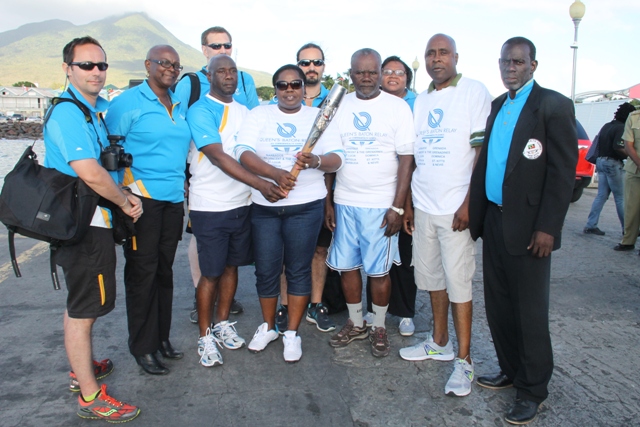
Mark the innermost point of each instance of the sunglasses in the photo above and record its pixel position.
(88, 66)
(165, 63)
(295, 84)
(398, 73)
(218, 46)
(307, 62)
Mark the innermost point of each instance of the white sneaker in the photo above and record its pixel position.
(428, 349)
(292, 347)
(226, 334)
(368, 318)
(262, 337)
(208, 350)
(406, 327)
(459, 383)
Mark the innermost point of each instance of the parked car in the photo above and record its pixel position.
(584, 169)
(16, 118)
(3, 118)
(34, 119)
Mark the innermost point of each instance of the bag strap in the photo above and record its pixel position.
(244, 87)
(12, 252)
(54, 269)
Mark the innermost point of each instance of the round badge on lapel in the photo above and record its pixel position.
(533, 149)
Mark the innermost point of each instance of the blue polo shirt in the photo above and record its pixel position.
(316, 101)
(246, 93)
(157, 139)
(500, 141)
(410, 97)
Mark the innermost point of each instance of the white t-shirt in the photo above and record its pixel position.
(374, 132)
(276, 137)
(214, 122)
(448, 124)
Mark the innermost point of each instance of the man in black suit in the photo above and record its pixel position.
(520, 193)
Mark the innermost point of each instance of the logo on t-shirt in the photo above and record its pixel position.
(360, 124)
(432, 120)
(286, 130)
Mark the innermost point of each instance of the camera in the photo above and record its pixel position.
(113, 157)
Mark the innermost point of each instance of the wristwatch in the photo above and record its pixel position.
(399, 211)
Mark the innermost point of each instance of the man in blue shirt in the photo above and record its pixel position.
(74, 143)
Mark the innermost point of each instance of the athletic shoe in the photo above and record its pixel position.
(594, 230)
(236, 307)
(208, 350)
(292, 347)
(193, 316)
(226, 334)
(428, 349)
(105, 407)
(348, 333)
(406, 327)
(100, 369)
(368, 318)
(459, 383)
(380, 346)
(282, 319)
(319, 316)
(262, 338)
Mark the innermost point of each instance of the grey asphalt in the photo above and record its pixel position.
(595, 325)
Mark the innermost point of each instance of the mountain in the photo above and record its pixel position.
(33, 52)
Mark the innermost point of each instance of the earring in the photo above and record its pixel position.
(147, 74)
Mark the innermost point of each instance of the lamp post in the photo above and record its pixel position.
(415, 65)
(576, 11)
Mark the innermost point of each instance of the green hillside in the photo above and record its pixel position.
(33, 52)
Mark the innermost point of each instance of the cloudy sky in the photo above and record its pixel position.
(267, 33)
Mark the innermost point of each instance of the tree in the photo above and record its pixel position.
(266, 93)
(328, 81)
(24, 84)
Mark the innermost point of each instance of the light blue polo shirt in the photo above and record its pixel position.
(316, 102)
(245, 92)
(410, 97)
(157, 140)
(500, 141)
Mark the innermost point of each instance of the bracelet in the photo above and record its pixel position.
(319, 162)
(126, 199)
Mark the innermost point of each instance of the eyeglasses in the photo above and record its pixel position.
(295, 84)
(307, 62)
(88, 66)
(165, 63)
(218, 46)
(398, 73)
(516, 62)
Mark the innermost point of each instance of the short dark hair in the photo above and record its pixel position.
(366, 51)
(407, 70)
(309, 46)
(295, 68)
(522, 40)
(623, 112)
(68, 52)
(219, 30)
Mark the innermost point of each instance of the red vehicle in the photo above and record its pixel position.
(584, 169)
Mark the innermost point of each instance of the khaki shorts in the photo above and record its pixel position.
(443, 259)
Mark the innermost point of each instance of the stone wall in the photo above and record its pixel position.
(20, 130)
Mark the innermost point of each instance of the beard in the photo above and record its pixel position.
(312, 78)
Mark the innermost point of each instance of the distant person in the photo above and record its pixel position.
(73, 148)
(610, 169)
(520, 193)
(631, 138)
(153, 121)
(215, 41)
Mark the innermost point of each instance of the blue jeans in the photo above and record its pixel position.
(285, 235)
(610, 180)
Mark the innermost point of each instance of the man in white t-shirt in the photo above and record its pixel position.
(219, 206)
(377, 134)
(449, 118)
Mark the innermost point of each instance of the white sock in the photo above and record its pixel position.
(355, 314)
(379, 314)
(290, 334)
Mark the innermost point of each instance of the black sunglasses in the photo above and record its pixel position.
(307, 62)
(217, 46)
(88, 66)
(165, 63)
(295, 84)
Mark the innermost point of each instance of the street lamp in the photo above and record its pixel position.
(415, 65)
(576, 11)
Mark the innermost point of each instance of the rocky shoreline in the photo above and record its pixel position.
(20, 130)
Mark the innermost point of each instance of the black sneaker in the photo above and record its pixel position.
(193, 316)
(236, 307)
(319, 316)
(594, 230)
(621, 247)
(282, 319)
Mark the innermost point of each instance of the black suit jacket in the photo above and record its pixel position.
(536, 192)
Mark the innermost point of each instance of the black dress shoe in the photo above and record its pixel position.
(523, 411)
(621, 247)
(495, 382)
(169, 352)
(151, 364)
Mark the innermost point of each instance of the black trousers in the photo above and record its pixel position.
(402, 302)
(148, 274)
(516, 290)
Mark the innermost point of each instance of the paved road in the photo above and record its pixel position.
(595, 326)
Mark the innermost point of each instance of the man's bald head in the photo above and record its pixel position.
(159, 50)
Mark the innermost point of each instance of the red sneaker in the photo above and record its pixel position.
(100, 369)
(105, 407)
